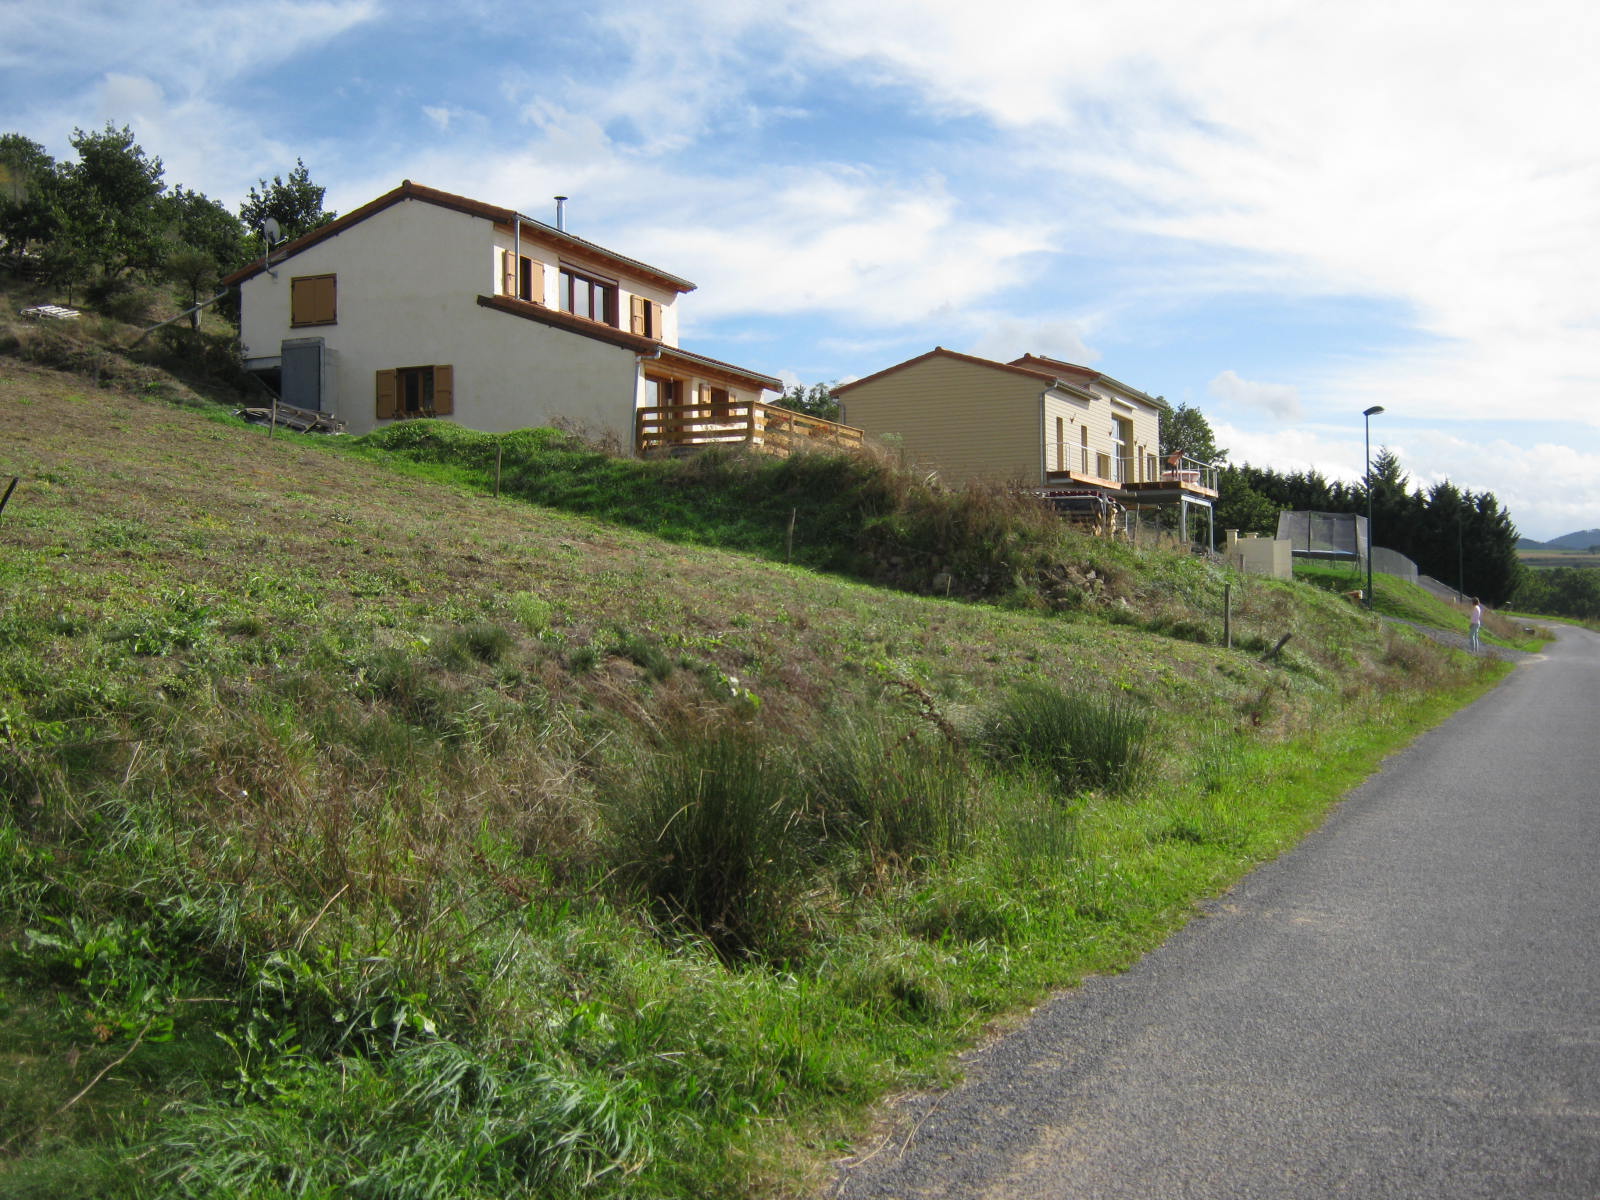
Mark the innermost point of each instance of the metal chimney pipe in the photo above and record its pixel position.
(561, 213)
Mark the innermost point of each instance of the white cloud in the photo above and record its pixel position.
(843, 242)
(1280, 401)
(1003, 338)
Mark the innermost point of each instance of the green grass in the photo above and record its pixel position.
(361, 835)
(1406, 601)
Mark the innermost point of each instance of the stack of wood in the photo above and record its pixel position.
(287, 416)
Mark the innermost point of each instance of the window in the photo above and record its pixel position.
(312, 300)
(1122, 448)
(521, 277)
(718, 401)
(587, 296)
(406, 392)
(661, 392)
(645, 317)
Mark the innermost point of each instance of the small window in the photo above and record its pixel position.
(313, 300)
(404, 393)
(521, 277)
(645, 317)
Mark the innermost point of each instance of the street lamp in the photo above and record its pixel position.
(1368, 415)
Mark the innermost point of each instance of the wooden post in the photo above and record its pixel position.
(788, 541)
(1227, 616)
(499, 451)
(272, 429)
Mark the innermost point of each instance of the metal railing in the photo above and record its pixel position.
(1134, 468)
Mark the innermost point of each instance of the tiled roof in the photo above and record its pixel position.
(941, 352)
(416, 191)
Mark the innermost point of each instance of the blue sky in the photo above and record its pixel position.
(1281, 213)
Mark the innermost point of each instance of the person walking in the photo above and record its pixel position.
(1475, 625)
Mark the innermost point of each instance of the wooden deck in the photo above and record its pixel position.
(1136, 482)
(682, 428)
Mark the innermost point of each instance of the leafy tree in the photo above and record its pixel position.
(27, 174)
(1185, 430)
(108, 202)
(206, 241)
(1241, 507)
(296, 204)
(815, 401)
(1560, 592)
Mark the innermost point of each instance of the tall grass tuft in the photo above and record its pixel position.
(893, 796)
(1079, 739)
(713, 835)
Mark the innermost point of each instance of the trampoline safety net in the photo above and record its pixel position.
(1324, 535)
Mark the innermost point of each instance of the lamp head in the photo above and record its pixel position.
(1373, 411)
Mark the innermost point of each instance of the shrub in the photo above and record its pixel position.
(1079, 739)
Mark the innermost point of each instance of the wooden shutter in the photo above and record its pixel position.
(313, 300)
(388, 394)
(640, 315)
(444, 391)
(508, 276)
(654, 329)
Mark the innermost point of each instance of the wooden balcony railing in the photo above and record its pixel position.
(737, 423)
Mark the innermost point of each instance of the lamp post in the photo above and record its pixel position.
(1368, 415)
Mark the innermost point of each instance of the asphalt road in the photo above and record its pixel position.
(1407, 1005)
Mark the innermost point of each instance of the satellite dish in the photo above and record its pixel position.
(271, 230)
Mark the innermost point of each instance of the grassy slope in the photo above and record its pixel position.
(314, 772)
(1407, 601)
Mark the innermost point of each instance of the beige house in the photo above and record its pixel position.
(422, 303)
(1069, 431)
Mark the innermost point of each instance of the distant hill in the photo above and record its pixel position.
(1527, 543)
(1574, 541)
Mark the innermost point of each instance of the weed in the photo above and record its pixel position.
(531, 612)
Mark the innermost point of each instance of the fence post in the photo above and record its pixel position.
(1227, 616)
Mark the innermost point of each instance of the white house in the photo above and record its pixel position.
(424, 303)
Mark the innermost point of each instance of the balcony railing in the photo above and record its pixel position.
(1146, 471)
(1190, 473)
(737, 423)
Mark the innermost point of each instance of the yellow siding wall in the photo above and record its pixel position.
(965, 420)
